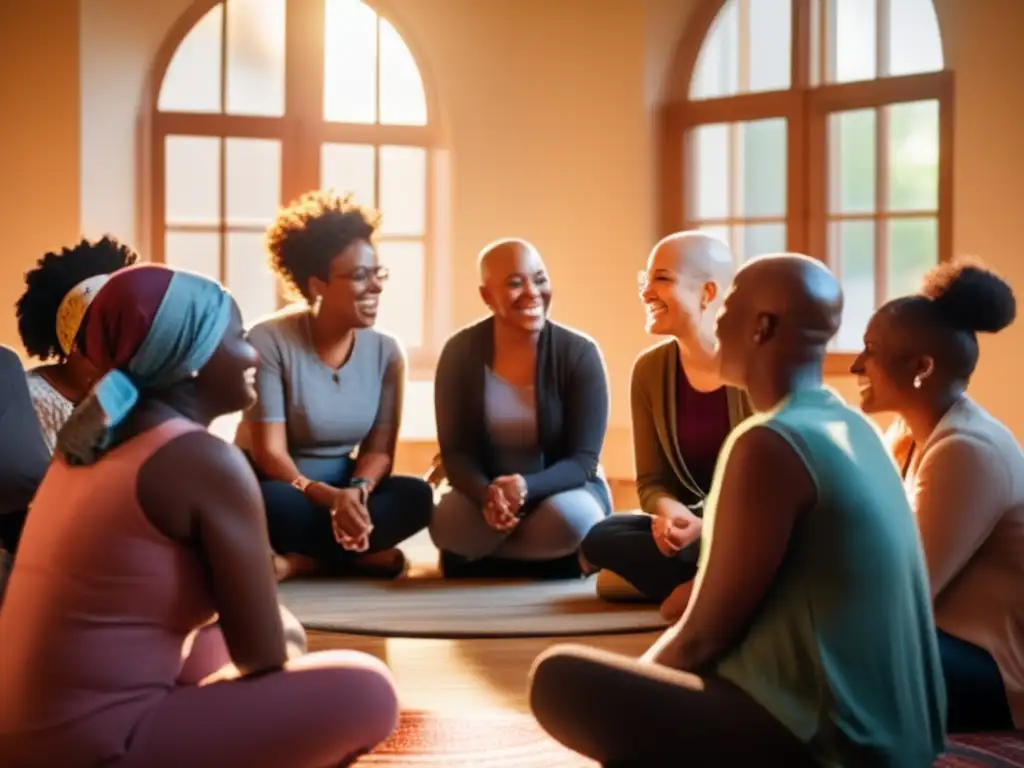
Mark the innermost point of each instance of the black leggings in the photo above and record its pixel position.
(624, 544)
(400, 506)
(975, 695)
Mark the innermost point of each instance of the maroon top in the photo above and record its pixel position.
(702, 424)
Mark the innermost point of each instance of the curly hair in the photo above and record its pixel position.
(310, 232)
(970, 297)
(55, 274)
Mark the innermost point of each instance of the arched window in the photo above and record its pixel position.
(257, 101)
(818, 126)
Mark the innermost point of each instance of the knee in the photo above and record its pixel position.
(598, 542)
(448, 525)
(552, 682)
(365, 694)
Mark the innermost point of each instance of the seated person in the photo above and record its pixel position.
(522, 407)
(23, 455)
(964, 473)
(809, 637)
(107, 652)
(682, 414)
(323, 432)
(57, 293)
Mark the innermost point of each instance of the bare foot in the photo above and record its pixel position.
(675, 604)
(291, 566)
(387, 564)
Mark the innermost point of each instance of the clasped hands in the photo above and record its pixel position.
(350, 519)
(674, 528)
(505, 498)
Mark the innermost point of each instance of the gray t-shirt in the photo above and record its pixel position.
(328, 412)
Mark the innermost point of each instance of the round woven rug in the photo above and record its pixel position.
(434, 607)
(495, 740)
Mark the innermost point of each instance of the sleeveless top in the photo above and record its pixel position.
(99, 614)
(842, 649)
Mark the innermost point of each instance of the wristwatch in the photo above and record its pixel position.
(364, 486)
(302, 483)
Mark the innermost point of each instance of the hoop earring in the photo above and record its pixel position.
(318, 302)
(918, 381)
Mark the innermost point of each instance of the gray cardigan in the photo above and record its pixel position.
(572, 412)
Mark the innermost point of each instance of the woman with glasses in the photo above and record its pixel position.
(522, 407)
(322, 434)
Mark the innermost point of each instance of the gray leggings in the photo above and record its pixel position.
(554, 529)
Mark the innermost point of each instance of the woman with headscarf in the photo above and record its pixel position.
(144, 530)
(50, 311)
(964, 474)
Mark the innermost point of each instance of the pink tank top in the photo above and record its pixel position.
(100, 609)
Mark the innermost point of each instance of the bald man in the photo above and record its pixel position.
(522, 407)
(682, 414)
(809, 638)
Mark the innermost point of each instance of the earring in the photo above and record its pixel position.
(193, 374)
(917, 381)
(317, 303)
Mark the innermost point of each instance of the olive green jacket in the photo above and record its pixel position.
(660, 469)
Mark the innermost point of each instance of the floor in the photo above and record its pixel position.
(464, 675)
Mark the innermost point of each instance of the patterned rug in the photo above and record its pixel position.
(997, 750)
(494, 740)
(429, 606)
(511, 740)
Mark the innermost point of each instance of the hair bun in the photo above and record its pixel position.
(971, 297)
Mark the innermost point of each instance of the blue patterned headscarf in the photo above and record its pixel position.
(149, 328)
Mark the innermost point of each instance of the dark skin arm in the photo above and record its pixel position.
(765, 488)
(220, 512)
(377, 451)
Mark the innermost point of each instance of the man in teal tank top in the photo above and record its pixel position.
(811, 608)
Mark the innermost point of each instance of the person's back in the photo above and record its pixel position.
(98, 609)
(843, 649)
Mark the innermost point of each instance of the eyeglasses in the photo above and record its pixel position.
(362, 274)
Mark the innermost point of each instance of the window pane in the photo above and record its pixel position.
(915, 43)
(248, 278)
(402, 100)
(255, 37)
(192, 80)
(914, 156)
(768, 44)
(403, 190)
(913, 250)
(852, 158)
(758, 239)
(709, 160)
(350, 62)
(763, 171)
(253, 181)
(193, 251)
(717, 70)
(192, 180)
(853, 39)
(348, 168)
(401, 304)
(852, 257)
(719, 231)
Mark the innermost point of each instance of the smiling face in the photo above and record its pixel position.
(675, 300)
(888, 365)
(350, 296)
(227, 383)
(516, 286)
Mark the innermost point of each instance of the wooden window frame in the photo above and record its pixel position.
(301, 131)
(806, 107)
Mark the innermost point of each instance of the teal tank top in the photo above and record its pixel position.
(843, 649)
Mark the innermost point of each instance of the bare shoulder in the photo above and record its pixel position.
(193, 472)
(765, 464)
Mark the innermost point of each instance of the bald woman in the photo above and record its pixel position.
(682, 413)
(809, 637)
(522, 408)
